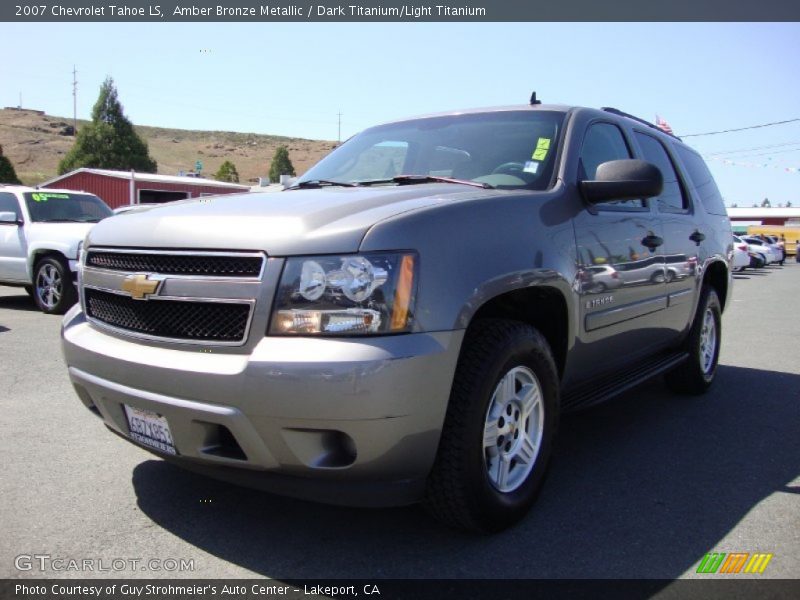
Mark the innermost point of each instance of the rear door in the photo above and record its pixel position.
(620, 318)
(13, 249)
(682, 235)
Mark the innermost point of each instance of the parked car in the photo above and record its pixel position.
(771, 254)
(777, 246)
(406, 323)
(758, 254)
(741, 255)
(40, 231)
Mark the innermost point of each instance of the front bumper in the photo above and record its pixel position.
(353, 421)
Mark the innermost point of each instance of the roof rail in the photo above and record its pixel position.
(616, 111)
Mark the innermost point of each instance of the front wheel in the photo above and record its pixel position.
(499, 428)
(695, 375)
(53, 290)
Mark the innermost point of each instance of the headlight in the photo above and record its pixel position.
(345, 295)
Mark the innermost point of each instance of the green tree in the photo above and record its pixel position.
(281, 165)
(227, 172)
(109, 141)
(7, 172)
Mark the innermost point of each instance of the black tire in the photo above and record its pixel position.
(460, 490)
(53, 289)
(695, 375)
(29, 290)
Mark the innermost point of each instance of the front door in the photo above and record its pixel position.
(13, 250)
(621, 266)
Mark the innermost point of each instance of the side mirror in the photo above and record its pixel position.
(9, 217)
(626, 179)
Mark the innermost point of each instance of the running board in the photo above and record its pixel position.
(613, 384)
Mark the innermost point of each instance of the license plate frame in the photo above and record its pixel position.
(149, 429)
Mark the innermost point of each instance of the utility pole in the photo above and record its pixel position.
(74, 102)
(339, 137)
(20, 101)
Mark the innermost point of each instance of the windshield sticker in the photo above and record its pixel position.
(531, 167)
(44, 197)
(542, 146)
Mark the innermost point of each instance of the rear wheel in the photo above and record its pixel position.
(498, 432)
(53, 290)
(695, 375)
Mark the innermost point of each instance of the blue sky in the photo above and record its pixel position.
(293, 78)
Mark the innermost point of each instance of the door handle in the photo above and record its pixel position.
(697, 237)
(652, 241)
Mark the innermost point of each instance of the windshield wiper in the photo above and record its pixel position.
(318, 183)
(415, 179)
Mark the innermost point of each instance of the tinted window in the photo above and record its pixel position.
(507, 149)
(8, 203)
(604, 142)
(671, 198)
(64, 207)
(702, 180)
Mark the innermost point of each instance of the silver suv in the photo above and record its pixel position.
(407, 322)
(40, 230)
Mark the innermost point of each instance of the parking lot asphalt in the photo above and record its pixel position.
(641, 487)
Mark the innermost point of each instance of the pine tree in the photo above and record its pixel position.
(227, 172)
(109, 141)
(281, 165)
(7, 172)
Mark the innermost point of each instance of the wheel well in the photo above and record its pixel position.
(543, 308)
(717, 277)
(44, 253)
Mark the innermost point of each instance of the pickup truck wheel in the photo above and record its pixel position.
(695, 375)
(499, 428)
(53, 290)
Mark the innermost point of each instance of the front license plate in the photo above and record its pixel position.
(150, 429)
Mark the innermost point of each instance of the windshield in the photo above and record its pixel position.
(65, 207)
(504, 149)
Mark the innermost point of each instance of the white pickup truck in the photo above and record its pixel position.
(40, 233)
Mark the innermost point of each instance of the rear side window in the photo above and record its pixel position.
(8, 203)
(702, 181)
(671, 198)
(604, 142)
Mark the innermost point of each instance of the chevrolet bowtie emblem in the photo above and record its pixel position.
(139, 286)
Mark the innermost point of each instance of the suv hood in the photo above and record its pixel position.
(317, 221)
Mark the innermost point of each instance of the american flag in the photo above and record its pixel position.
(663, 125)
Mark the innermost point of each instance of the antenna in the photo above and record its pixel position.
(534, 101)
(74, 102)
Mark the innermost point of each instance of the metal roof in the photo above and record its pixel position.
(153, 177)
(764, 213)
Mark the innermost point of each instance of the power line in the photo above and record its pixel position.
(740, 128)
(721, 152)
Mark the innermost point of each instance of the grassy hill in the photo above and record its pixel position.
(34, 142)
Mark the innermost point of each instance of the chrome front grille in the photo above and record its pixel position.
(200, 297)
(206, 265)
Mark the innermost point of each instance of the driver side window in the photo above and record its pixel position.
(604, 142)
(8, 203)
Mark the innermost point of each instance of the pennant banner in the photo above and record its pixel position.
(751, 165)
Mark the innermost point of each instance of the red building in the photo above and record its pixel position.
(118, 188)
